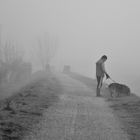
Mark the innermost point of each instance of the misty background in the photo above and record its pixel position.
(80, 32)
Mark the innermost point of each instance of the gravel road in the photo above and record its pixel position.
(79, 115)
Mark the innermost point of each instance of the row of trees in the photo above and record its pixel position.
(12, 67)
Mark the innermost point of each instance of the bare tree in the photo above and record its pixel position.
(41, 54)
(10, 58)
(47, 48)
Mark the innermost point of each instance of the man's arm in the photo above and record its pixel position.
(104, 70)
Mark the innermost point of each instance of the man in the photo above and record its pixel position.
(100, 73)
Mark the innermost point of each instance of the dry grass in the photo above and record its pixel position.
(128, 111)
(19, 112)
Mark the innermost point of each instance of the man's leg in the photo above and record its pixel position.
(97, 89)
(99, 85)
(98, 92)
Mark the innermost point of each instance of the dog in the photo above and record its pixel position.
(118, 89)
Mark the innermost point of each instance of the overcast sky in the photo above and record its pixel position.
(86, 29)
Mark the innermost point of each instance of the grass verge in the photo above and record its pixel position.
(25, 107)
(128, 111)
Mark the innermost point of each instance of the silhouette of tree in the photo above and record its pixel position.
(47, 48)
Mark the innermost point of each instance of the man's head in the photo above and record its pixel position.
(104, 58)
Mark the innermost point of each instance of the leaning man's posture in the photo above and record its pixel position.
(100, 73)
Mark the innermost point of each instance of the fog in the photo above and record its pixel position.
(82, 30)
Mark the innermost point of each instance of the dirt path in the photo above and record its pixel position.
(78, 116)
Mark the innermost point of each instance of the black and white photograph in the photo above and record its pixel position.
(69, 70)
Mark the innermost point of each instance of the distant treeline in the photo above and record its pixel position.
(13, 69)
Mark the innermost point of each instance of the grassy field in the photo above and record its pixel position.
(19, 112)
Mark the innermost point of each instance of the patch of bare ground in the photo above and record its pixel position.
(19, 112)
(128, 111)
